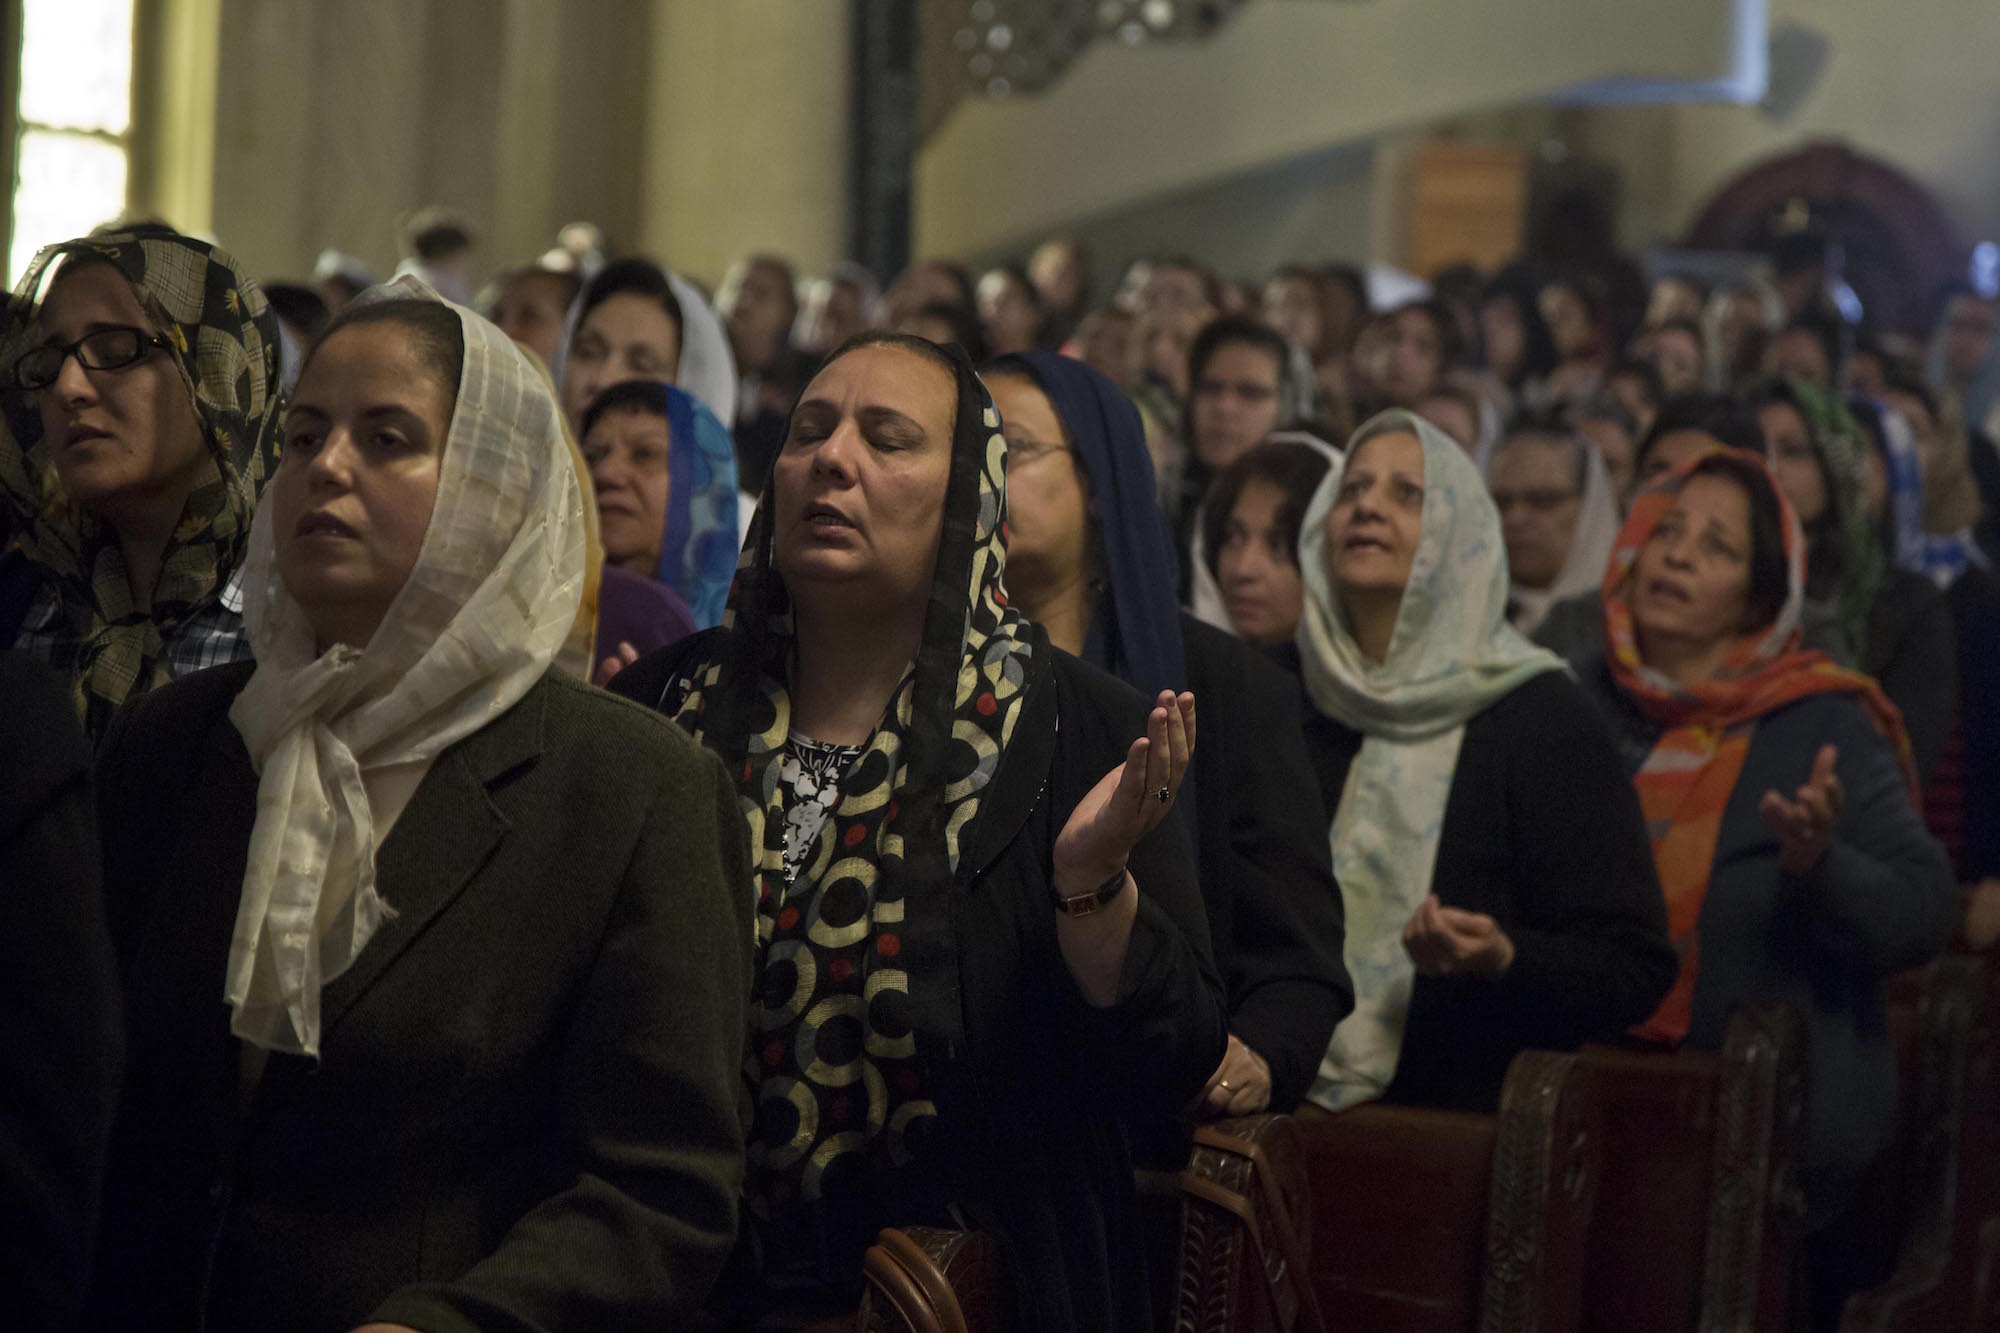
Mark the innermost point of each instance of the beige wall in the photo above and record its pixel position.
(334, 121)
(1913, 81)
(747, 133)
(1125, 126)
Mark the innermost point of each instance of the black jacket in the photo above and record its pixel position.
(1031, 1081)
(60, 1041)
(1274, 911)
(1912, 651)
(526, 1115)
(1542, 832)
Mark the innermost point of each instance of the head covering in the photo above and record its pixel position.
(1952, 503)
(1940, 559)
(1978, 398)
(1451, 656)
(1135, 632)
(1597, 522)
(1205, 602)
(707, 369)
(224, 343)
(880, 861)
(1837, 440)
(492, 599)
(1686, 780)
(699, 547)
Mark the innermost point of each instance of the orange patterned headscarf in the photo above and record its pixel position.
(1686, 781)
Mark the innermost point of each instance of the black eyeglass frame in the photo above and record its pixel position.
(87, 357)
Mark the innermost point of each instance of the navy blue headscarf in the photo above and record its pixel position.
(1136, 631)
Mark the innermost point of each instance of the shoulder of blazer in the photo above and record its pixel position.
(170, 721)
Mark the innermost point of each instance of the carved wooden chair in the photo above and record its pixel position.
(1945, 1274)
(918, 1280)
(1698, 1205)
(1403, 1220)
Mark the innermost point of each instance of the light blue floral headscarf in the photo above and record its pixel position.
(1451, 656)
(699, 547)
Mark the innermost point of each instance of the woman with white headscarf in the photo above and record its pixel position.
(479, 929)
(1558, 518)
(1499, 887)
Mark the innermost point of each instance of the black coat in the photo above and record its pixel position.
(1274, 910)
(1912, 651)
(526, 1115)
(1030, 1080)
(1542, 832)
(60, 1041)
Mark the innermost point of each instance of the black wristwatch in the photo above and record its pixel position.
(1085, 904)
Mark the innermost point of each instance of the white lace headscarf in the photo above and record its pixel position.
(492, 597)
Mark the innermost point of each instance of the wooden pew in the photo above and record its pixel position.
(917, 1280)
(1698, 1204)
(1419, 1221)
(1945, 1276)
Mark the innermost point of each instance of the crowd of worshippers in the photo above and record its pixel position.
(577, 812)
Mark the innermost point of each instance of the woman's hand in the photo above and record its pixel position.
(1127, 803)
(1449, 941)
(1982, 914)
(1803, 826)
(617, 662)
(1240, 1086)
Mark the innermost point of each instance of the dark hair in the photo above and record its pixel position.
(1515, 286)
(1681, 324)
(1295, 469)
(966, 330)
(433, 326)
(1211, 282)
(1646, 373)
(436, 233)
(1350, 277)
(301, 307)
(1826, 546)
(1770, 573)
(1441, 318)
(1229, 331)
(639, 277)
(1019, 277)
(784, 270)
(1687, 280)
(648, 396)
(1603, 407)
(908, 342)
(1550, 427)
(570, 283)
(1830, 336)
(1902, 379)
(1713, 414)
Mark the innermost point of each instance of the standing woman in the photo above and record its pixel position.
(1778, 790)
(980, 942)
(1499, 892)
(141, 425)
(1087, 558)
(434, 959)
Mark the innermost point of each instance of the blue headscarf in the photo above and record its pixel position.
(699, 548)
(1136, 631)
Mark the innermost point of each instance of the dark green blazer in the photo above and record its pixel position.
(527, 1114)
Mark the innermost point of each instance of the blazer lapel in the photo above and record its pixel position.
(447, 832)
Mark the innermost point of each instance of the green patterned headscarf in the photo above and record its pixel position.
(224, 342)
(1838, 438)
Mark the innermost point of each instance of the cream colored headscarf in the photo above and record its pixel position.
(494, 594)
(1590, 543)
(1451, 656)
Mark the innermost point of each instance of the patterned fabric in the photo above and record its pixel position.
(1686, 780)
(812, 769)
(1941, 559)
(1837, 437)
(841, 1108)
(1451, 656)
(210, 636)
(699, 549)
(224, 343)
(492, 600)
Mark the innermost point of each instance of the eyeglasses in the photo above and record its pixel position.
(1023, 450)
(104, 349)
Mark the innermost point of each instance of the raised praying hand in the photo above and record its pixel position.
(1128, 802)
(1803, 825)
